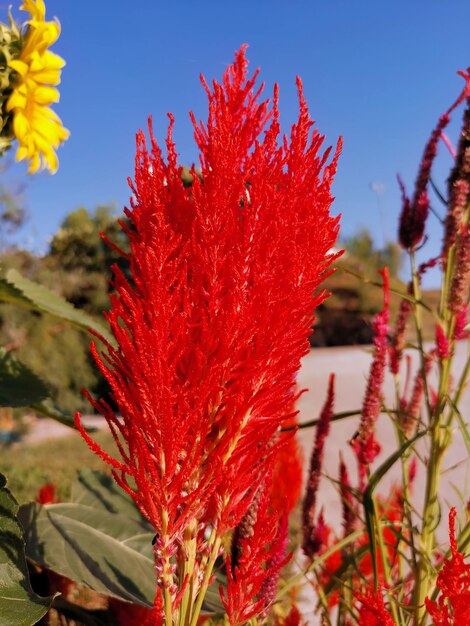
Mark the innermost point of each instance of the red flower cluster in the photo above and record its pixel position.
(372, 611)
(453, 605)
(212, 323)
(258, 554)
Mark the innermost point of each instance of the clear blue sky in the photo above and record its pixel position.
(377, 72)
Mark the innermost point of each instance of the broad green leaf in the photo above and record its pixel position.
(99, 490)
(107, 552)
(19, 605)
(21, 291)
(19, 386)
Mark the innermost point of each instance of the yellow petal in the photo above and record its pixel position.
(35, 164)
(21, 153)
(21, 126)
(45, 95)
(17, 99)
(52, 162)
(36, 9)
(19, 66)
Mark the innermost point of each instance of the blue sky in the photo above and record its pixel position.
(378, 73)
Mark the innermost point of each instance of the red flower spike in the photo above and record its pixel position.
(415, 212)
(460, 288)
(399, 337)
(461, 321)
(212, 325)
(459, 179)
(347, 499)
(372, 611)
(252, 579)
(366, 446)
(412, 408)
(288, 465)
(311, 539)
(453, 605)
(442, 344)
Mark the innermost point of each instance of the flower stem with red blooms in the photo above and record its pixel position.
(441, 415)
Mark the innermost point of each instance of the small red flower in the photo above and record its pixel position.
(47, 494)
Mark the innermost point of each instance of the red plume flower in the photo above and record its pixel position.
(372, 611)
(366, 446)
(213, 321)
(313, 530)
(453, 605)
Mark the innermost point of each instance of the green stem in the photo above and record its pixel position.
(425, 575)
(215, 542)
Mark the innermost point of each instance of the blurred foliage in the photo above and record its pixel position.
(361, 247)
(53, 461)
(76, 267)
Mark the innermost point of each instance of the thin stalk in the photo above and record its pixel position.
(419, 328)
(214, 542)
(188, 570)
(431, 512)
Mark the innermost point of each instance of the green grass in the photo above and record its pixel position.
(28, 467)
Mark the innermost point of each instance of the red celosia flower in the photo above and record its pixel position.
(212, 324)
(415, 211)
(398, 342)
(390, 510)
(461, 321)
(260, 554)
(459, 179)
(293, 618)
(460, 288)
(372, 611)
(287, 476)
(366, 446)
(47, 494)
(411, 408)
(347, 499)
(442, 344)
(453, 605)
(311, 528)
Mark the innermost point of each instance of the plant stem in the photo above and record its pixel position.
(214, 542)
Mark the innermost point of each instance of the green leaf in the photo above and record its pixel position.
(107, 552)
(48, 409)
(462, 425)
(368, 496)
(21, 291)
(19, 605)
(19, 386)
(99, 490)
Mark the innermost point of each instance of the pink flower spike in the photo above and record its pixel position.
(442, 344)
(367, 447)
(311, 542)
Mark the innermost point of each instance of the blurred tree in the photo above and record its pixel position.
(12, 212)
(82, 260)
(361, 247)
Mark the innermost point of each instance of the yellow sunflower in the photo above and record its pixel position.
(36, 126)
